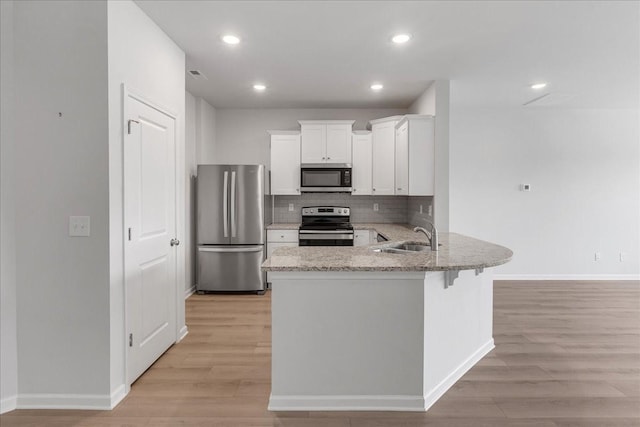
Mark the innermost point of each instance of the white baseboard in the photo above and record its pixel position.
(65, 401)
(346, 403)
(611, 277)
(189, 292)
(436, 393)
(182, 333)
(117, 395)
(8, 404)
(378, 403)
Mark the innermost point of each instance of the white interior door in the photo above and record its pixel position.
(150, 226)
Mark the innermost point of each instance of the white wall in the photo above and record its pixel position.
(206, 121)
(149, 63)
(583, 166)
(241, 134)
(191, 169)
(63, 292)
(426, 102)
(8, 340)
(435, 100)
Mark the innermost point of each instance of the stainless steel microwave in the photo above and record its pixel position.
(325, 178)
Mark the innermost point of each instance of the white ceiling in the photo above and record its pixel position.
(320, 54)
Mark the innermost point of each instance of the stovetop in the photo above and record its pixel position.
(326, 218)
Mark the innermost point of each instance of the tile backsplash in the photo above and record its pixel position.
(391, 209)
(414, 217)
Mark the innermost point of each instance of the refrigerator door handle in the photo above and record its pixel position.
(257, 248)
(225, 204)
(233, 204)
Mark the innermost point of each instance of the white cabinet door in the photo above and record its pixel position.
(402, 160)
(338, 148)
(314, 143)
(383, 166)
(361, 237)
(285, 164)
(421, 156)
(362, 162)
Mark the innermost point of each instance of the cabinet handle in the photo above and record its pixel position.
(399, 188)
(373, 189)
(323, 158)
(328, 158)
(298, 190)
(354, 190)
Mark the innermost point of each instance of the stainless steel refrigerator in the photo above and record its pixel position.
(230, 228)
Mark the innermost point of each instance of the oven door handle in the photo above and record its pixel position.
(325, 232)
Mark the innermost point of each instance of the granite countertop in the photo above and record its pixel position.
(283, 226)
(457, 252)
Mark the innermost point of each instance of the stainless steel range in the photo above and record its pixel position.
(325, 226)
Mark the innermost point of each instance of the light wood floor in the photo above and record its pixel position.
(567, 354)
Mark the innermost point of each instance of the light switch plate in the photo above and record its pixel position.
(290, 207)
(79, 226)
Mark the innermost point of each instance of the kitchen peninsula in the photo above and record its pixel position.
(356, 329)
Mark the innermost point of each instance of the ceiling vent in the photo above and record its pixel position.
(197, 75)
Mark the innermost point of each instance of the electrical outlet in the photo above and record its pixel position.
(375, 207)
(79, 226)
(597, 256)
(525, 187)
(290, 207)
(420, 208)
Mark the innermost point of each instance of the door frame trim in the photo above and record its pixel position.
(180, 277)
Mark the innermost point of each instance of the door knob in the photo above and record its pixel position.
(174, 242)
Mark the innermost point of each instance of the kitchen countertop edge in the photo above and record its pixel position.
(458, 252)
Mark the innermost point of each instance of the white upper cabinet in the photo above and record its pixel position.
(326, 141)
(314, 139)
(285, 162)
(383, 133)
(402, 160)
(415, 155)
(362, 163)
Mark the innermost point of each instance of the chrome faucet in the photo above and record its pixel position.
(432, 235)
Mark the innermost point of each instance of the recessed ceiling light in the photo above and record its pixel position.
(401, 38)
(230, 39)
(376, 86)
(538, 85)
(259, 87)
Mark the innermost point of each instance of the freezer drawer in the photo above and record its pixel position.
(230, 268)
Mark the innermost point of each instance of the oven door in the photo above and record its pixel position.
(325, 238)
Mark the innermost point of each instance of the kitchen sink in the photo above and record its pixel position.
(404, 248)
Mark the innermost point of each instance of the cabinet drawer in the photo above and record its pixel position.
(282, 236)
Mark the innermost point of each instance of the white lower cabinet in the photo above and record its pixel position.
(280, 238)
